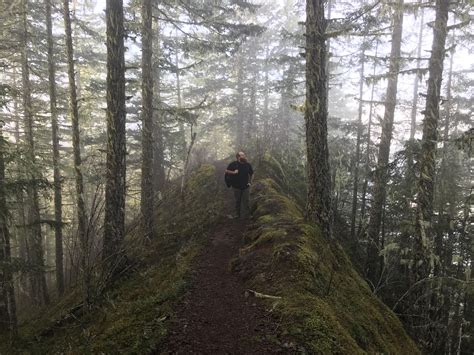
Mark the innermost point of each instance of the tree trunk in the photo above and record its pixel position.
(159, 176)
(447, 197)
(33, 216)
(21, 237)
(357, 152)
(114, 220)
(318, 207)
(252, 117)
(380, 179)
(239, 141)
(265, 133)
(367, 151)
(428, 144)
(58, 208)
(147, 193)
(76, 145)
(8, 318)
(182, 148)
(414, 107)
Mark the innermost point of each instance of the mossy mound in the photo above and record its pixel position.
(132, 317)
(326, 306)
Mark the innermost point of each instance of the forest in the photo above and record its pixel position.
(118, 119)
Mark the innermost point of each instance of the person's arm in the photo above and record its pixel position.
(231, 169)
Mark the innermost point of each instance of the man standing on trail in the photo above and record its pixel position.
(239, 175)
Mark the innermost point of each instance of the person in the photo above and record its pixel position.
(240, 173)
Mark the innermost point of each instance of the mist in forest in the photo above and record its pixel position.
(109, 109)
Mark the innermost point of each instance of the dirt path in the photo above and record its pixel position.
(215, 317)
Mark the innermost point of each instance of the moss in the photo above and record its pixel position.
(327, 307)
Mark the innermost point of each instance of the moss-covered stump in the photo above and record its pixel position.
(326, 306)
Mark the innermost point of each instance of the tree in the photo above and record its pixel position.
(114, 220)
(38, 279)
(58, 208)
(358, 143)
(158, 170)
(76, 146)
(380, 179)
(424, 228)
(147, 193)
(416, 80)
(318, 207)
(8, 318)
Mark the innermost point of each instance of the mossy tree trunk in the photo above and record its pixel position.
(424, 228)
(318, 208)
(8, 320)
(58, 208)
(147, 193)
(76, 146)
(114, 220)
(381, 178)
(38, 277)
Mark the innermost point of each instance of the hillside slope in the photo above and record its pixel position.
(133, 316)
(325, 306)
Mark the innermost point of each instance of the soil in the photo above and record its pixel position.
(215, 317)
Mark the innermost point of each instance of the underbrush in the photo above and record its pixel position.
(133, 315)
(325, 306)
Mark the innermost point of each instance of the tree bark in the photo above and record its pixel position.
(76, 146)
(58, 208)
(318, 208)
(114, 220)
(429, 140)
(381, 178)
(33, 217)
(147, 193)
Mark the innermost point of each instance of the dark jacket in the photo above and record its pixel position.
(241, 180)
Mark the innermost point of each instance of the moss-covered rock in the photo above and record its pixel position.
(326, 306)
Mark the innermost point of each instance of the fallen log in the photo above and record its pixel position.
(256, 294)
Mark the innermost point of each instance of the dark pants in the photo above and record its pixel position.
(242, 207)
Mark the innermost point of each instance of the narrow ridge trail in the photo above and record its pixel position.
(215, 317)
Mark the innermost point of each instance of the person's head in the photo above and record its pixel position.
(241, 157)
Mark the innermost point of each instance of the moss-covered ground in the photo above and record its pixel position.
(133, 316)
(326, 306)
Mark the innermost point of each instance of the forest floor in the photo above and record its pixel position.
(215, 317)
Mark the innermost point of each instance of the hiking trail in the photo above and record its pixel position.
(215, 316)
